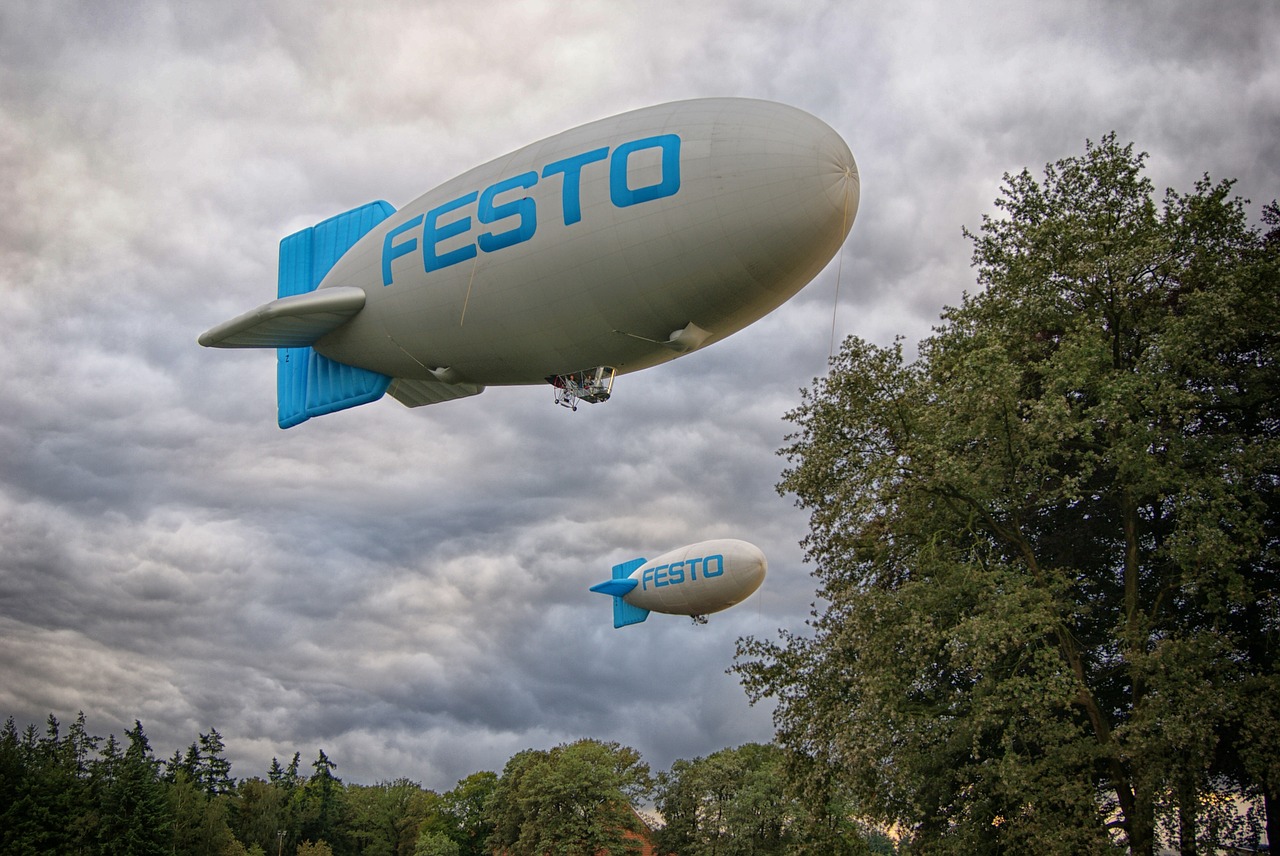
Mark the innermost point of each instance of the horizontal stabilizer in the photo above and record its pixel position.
(417, 393)
(616, 588)
(289, 322)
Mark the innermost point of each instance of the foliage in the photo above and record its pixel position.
(736, 801)
(44, 787)
(1047, 547)
(200, 824)
(462, 813)
(62, 794)
(260, 814)
(576, 799)
(135, 818)
(435, 843)
(384, 819)
(318, 848)
(204, 765)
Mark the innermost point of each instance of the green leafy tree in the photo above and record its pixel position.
(827, 818)
(460, 815)
(187, 805)
(1046, 548)
(749, 800)
(200, 820)
(1246, 389)
(433, 842)
(273, 813)
(464, 811)
(576, 800)
(318, 848)
(730, 802)
(260, 814)
(384, 818)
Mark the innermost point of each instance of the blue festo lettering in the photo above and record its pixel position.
(433, 233)
(442, 241)
(661, 576)
(523, 208)
(391, 250)
(623, 195)
(571, 184)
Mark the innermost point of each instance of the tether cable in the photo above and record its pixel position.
(844, 226)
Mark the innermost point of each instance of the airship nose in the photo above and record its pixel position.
(782, 191)
(836, 172)
(844, 187)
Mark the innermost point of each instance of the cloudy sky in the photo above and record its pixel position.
(407, 589)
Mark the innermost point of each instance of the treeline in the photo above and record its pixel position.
(65, 791)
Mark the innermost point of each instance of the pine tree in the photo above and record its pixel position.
(135, 815)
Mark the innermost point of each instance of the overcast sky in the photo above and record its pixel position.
(407, 589)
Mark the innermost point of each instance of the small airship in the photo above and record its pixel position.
(695, 580)
(602, 250)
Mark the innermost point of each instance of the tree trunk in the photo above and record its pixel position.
(1272, 811)
(1142, 823)
(1187, 805)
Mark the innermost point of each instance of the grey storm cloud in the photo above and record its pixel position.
(407, 589)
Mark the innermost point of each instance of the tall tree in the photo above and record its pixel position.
(260, 817)
(204, 765)
(136, 818)
(201, 821)
(1047, 546)
(45, 793)
(575, 799)
(731, 802)
(287, 782)
(1246, 388)
(463, 811)
(383, 819)
(215, 769)
(13, 775)
(433, 842)
(319, 807)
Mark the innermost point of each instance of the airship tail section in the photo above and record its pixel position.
(307, 383)
(619, 586)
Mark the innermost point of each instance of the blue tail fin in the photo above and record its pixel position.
(623, 612)
(308, 384)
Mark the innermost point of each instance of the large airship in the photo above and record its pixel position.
(695, 580)
(605, 249)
